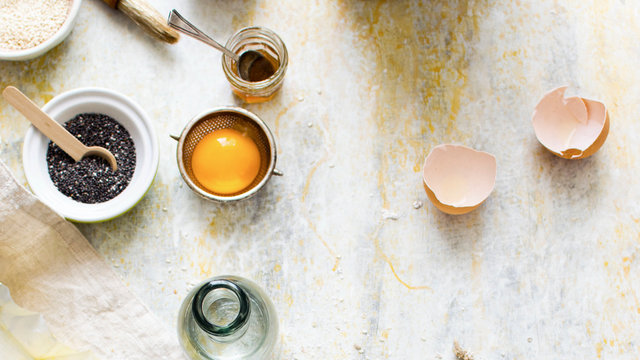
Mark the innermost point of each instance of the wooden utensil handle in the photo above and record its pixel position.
(49, 127)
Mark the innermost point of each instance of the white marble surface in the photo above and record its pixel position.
(547, 268)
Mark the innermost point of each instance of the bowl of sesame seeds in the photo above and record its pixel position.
(89, 190)
(30, 28)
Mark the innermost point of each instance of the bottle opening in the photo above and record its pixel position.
(221, 308)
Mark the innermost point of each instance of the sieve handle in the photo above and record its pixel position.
(277, 172)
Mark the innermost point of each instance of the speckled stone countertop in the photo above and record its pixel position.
(547, 268)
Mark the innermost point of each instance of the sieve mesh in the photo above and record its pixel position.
(226, 120)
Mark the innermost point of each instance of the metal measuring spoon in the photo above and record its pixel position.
(245, 61)
(53, 130)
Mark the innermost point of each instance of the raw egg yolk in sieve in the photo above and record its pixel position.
(225, 161)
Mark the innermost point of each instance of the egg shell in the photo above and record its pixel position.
(457, 178)
(571, 128)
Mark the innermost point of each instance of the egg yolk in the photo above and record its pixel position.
(225, 161)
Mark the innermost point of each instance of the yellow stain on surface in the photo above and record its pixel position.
(599, 348)
(288, 299)
(281, 114)
(387, 260)
(303, 198)
(205, 268)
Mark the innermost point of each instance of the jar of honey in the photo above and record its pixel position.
(267, 75)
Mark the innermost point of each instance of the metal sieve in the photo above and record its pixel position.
(227, 118)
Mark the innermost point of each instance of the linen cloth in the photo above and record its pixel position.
(52, 269)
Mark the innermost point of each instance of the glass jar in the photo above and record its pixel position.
(227, 317)
(267, 43)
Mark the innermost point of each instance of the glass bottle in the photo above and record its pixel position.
(267, 43)
(227, 317)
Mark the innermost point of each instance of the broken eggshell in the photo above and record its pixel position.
(573, 127)
(457, 178)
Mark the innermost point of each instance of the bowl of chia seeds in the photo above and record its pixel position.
(89, 190)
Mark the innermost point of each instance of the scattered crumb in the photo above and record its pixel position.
(460, 353)
(365, 332)
(301, 98)
(310, 124)
(332, 165)
(389, 215)
(357, 347)
(529, 340)
(165, 209)
(417, 204)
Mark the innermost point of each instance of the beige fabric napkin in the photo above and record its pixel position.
(52, 269)
(24, 335)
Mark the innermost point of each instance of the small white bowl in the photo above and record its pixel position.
(66, 106)
(50, 43)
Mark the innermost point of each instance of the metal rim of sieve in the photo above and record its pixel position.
(245, 115)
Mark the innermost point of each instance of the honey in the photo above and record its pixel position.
(266, 74)
(262, 68)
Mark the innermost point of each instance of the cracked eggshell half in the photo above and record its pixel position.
(457, 178)
(573, 127)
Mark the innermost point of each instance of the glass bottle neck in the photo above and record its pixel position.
(221, 309)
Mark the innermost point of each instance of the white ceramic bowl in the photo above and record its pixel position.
(48, 44)
(93, 100)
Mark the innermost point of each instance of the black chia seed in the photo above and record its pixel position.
(91, 179)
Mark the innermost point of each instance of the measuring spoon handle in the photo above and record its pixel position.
(181, 24)
(49, 127)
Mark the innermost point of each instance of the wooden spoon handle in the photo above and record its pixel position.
(49, 127)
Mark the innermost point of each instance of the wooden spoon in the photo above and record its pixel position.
(53, 130)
